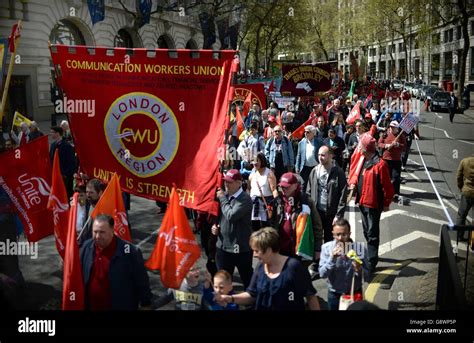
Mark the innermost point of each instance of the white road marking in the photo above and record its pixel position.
(447, 135)
(413, 176)
(352, 220)
(414, 162)
(413, 190)
(426, 204)
(412, 215)
(455, 209)
(436, 114)
(398, 242)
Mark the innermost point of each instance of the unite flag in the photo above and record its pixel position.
(176, 248)
(111, 203)
(25, 175)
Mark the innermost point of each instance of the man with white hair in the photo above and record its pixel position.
(307, 156)
(67, 132)
(35, 132)
(279, 153)
(24, 135)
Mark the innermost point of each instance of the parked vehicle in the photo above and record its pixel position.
(430, 92)
(422, 92)
(440, 101)
(396, 85)
(415, 91)
(408, 86)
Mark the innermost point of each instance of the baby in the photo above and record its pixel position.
(222, 285)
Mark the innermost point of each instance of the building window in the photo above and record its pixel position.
(373, 68)
(356, 54)
(383, 50)
(472, 28)
(401, 70)
(448, 64)
(373, 52)
(458, 33)
(471, 74)
(436, 38)
(66, 33)
(435, 61)
(451, 35)
(341, 56)
(401, 47)
(123, 39)
(11, 7)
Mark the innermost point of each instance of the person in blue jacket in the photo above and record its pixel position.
(337, 265)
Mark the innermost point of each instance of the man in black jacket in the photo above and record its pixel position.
(67, 158)
(327, 186)
(113, 270)
(234, 228)
(453, 105)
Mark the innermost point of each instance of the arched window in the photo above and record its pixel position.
(65, 32)
(123, 39)
(165, 42)
(191, 44)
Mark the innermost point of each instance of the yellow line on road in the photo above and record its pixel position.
(374, 285)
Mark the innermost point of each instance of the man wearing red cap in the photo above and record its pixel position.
(234, 228)
(295, 201)
(392, 154)
(374, 195)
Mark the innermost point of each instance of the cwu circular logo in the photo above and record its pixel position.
(142, 132)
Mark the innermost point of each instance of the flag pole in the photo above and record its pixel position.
(9, 74)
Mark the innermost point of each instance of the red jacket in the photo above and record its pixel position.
(377, 189)
(395, 153)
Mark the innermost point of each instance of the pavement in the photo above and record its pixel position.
(406, 277)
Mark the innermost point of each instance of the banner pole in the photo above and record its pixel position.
(9, 74)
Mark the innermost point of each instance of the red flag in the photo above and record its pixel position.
(240, 121)
(299, 132)
(73, 284)
(25, 175)
(13, 38)
(176, 248)
(247, 105)
(271, 88)
(354, 114)
(111, 203)
(58, 203)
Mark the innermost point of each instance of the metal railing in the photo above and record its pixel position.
(450, 293)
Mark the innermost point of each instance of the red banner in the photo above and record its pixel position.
(256, 89)
(305, 79)
(154, 117)
(25, 175)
